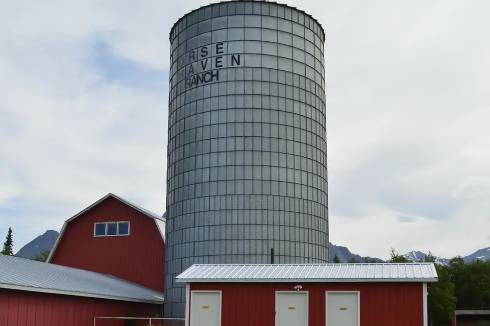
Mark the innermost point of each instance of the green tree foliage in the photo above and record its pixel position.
(472, 283)
(460, 286)
(8, 245)
(441, 301)
(43, 256)
(336, 259)
(370, 260)
(353, 260)
(395, 257)
(430, 258)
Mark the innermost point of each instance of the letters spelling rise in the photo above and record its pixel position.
(207, 61)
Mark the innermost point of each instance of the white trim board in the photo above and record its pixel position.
(187, 303)
(424, 302)
(76, 294)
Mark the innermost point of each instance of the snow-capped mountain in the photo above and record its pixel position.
(416, 256)
(482, 254)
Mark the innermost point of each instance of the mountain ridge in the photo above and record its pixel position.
(38, 245)
(345, 255)
(46, 241)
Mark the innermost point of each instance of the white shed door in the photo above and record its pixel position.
(291, 309)
(342, 309)
(205, 309)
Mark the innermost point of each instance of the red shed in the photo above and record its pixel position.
(114, 236)
(41, 294)
(308, 295)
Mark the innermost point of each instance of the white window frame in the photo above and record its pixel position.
(347, 292)
(107, 229)
(129, 228)
(295, 292)
(95, 227)
(205, 291)
(117, 229)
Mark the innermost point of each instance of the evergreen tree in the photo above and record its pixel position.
(441, 301)
(336, 259)
(395, 257)
(43, 256)
(8, 245)
(430, 258)
(370, 260)
(461, 286)
(472, 283)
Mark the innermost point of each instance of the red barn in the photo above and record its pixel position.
(308, 295)
(114, 236)
(41, 294)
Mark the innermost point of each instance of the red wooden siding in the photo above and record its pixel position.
(382, 304)
(138, 257)
(19, 308)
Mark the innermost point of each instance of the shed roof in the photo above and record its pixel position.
(159, 220)
(30, 275)
(467, 312)
(413, 272)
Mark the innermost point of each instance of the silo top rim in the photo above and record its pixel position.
(262, 1)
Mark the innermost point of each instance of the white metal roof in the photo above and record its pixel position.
(413, 272)
(30, 275)
(159, 220)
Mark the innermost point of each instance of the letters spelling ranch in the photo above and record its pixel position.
(206, 62)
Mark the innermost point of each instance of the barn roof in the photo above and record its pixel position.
(159, 220)
(125, 201)
(412, 272)
(30, 275)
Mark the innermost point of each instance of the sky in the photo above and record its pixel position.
(83, 112)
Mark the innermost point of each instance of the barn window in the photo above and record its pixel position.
(99, 229)
(123, 228)
(111, 229)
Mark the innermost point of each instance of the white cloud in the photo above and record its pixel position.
(378, 229)
(70, 135)
(407, 92)
(407, 128)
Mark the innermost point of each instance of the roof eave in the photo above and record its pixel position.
(299, 280)
(77, 294)
(56, 243)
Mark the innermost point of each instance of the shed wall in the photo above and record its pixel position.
(138, 257)
(382, 304)
(20, 308)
